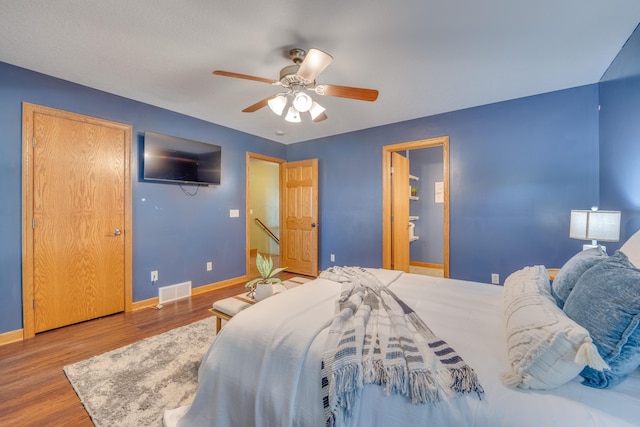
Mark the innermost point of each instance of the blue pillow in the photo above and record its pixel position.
(606, 302)
(571, 271)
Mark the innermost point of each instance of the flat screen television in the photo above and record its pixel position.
(172, 159)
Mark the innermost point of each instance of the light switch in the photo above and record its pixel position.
(234, 213)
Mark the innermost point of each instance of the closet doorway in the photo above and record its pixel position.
(396, 224)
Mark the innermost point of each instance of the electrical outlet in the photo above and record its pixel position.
(154, 276)
(209, 266)
(495, 278)
(333, 258)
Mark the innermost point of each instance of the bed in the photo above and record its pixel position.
(263, 367)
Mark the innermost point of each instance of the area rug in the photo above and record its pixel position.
(134, 385)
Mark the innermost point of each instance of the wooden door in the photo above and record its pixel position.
(400, 192)
(80, 176)
(299, 233)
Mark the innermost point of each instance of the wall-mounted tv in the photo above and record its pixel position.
(172, 159)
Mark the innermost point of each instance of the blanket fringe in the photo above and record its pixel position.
(588, 355)
(465, 380)
(396, 380)
(347, 385)
(511, 379)
(424, 388)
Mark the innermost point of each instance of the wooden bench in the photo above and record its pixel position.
(226, 308)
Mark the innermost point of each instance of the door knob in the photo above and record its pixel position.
(117, 232)
(313, 224)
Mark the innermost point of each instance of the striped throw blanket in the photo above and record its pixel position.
(377, 339)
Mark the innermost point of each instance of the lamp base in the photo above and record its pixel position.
(585, 247)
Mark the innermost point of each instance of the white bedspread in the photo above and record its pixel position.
(263, 369)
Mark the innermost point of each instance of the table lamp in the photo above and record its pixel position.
(595, 225)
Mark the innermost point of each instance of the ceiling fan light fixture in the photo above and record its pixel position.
(315, 110)
(302, 102)
(295, 81)
(293, 115)
(278, 103)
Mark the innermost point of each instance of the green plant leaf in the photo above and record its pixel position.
(252, 283)
(265, 268)
(264, 265)
(276, 271)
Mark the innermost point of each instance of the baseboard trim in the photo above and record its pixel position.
(18, 335)
(426, 265)
(219, 285)
(12, 336)
(152, 302)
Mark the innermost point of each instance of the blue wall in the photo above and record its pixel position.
(173, 233)
(516, 170)
(620, 138)
(426, 164)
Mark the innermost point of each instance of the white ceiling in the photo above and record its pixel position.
(424, 56)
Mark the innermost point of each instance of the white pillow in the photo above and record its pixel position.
(631, 249)
(545, 348)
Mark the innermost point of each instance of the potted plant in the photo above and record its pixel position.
(261, 287)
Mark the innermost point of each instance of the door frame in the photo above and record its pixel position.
(28, 110)
(442, 141)
(249, 157)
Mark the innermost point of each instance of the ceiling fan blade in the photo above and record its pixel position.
(243, 76)
(347, 92)
(321, 117)
(258, 105)
(315, 61)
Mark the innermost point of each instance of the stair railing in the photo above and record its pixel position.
(267, 230)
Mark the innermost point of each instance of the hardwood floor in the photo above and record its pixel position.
(34, 390)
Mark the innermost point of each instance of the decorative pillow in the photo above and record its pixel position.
(572, 270)
(606, 301)
(545, 348)
(631, 249)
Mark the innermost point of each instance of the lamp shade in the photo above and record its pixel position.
(595, 225)
(278, 103)
(293, 115)
(302, 102)
(315, 110)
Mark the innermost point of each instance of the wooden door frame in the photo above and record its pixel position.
(28, 110)
(249, 157)
(442, 141)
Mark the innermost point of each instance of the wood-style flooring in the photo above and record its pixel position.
(34, 390)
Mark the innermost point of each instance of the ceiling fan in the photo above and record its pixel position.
(297, 80)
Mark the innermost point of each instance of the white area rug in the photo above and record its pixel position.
(134, 385)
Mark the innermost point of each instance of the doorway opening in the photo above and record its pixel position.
(263, 210)
(396, 243)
